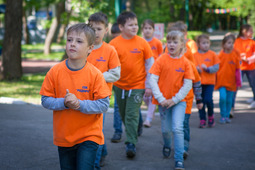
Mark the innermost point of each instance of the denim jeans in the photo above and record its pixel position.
(186, 132)
(207, 95)
(250, 74)
(225, 101)
(78, 157)
(101, 151)
(172, 120)
(117, 122)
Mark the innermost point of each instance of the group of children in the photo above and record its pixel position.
(78, 89)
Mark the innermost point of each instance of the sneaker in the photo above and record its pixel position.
(227, 120)
(140, 130)
(252, 105)
(179, 165)
(116, 138)
(147, 124)
(222, 120)
(185, 154)
(250, 100)
(166, 151)
(102, 161)
(130, 150)
(211, 122)
(202, 124)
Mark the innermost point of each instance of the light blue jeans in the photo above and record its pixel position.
(226, 99)
(172, 120)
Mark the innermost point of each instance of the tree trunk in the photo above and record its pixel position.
(63, 27)
(60, 8)
(12, 40)
(25, 29)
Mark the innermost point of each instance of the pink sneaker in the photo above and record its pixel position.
(211, 122)
(147, 124)
(202, 124)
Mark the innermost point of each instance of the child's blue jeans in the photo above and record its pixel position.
(186, 132)
(225, 101)
(207, 95)
(79, 157)
(172, 121)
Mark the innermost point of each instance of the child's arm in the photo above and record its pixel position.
(155, 89)
(112, 75)
(182, 93)
(148, 63)
(197, 89)
(238, 78)
(52, 103)
(211, 69)
(94, 106)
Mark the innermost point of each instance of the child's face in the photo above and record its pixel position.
(77, 47)
(130, 28)
(148, 31)
(174, 47)
(100, 31)
(204, 45)
(228, 45)
(248, 33)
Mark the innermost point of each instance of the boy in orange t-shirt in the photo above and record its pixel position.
(136, 59)
(228, 76)
(77, 93)
(207, 64)
(105, 58)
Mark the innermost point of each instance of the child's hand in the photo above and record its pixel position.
(204, 67)
(170, 103)
(243, 57)
(199, 69)
(148, 92)
(71, 101)
(200, 106)
(164, 103)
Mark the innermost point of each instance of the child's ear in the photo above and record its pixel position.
(121, 27)
(90, 48)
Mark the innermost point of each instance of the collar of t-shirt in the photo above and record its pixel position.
(97, 46)
(72, 68)
(149, 39)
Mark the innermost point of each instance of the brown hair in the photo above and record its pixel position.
(124, 16)
(243, 28)
(99, 17)
(148, 21)
(228, 36)
(179, 25)
(202, 36)
(83, 28)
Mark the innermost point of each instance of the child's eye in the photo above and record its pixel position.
(69, 40)
(79, 41)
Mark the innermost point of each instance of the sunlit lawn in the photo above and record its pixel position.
(27, 89)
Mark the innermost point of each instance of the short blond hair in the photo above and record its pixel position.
(173, 35)
(83, 28)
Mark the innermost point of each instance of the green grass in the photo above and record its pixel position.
(27, 89)
(36, 52)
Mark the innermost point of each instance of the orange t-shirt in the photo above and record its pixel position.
(188, 54)
(190, 96)
(172, 73)
(246, 46)
(104, 58)
(156, 47)
(209, 59)
(192, 45)
(132, 54)
(229, 62)
(71, 127)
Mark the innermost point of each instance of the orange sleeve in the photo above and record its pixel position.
(189, 72)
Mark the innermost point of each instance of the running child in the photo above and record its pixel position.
(77, 93)
(207, 64)
(228, 76)
(246, 47)
(136, 59)
(105, 58)
(171, 80)
(157, 49)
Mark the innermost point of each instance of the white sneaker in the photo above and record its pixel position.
(250, 100)
(252, 105)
